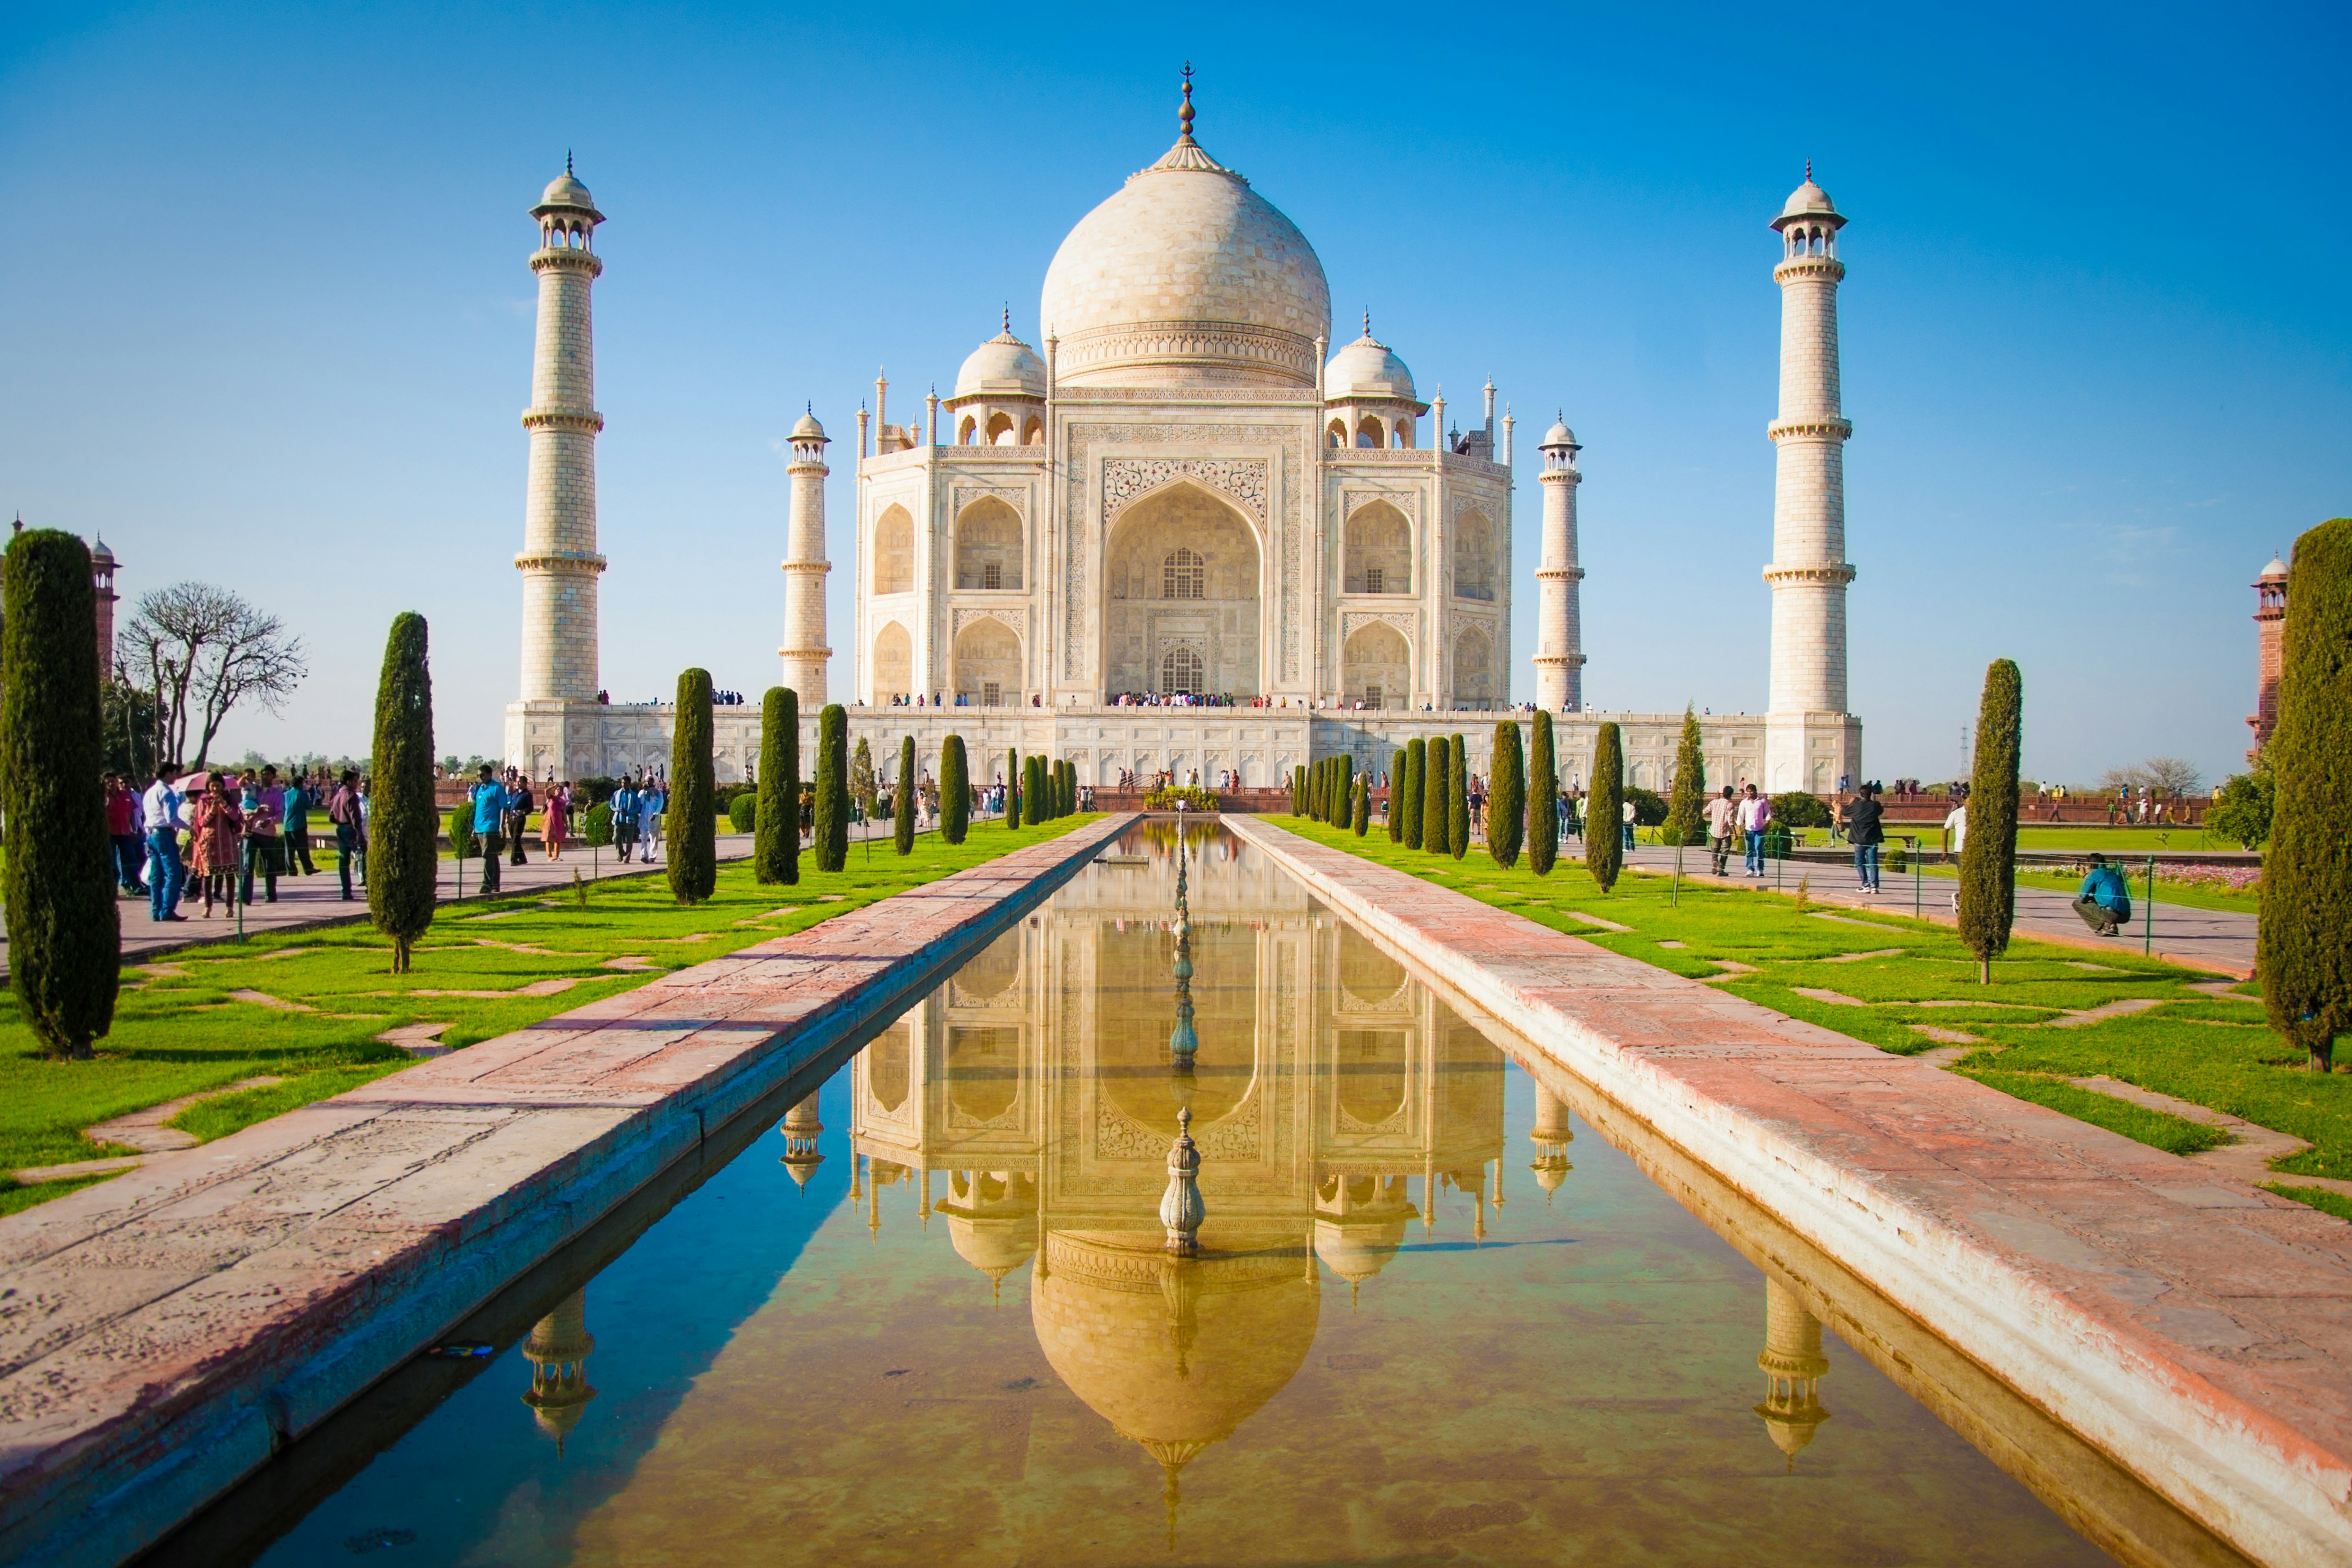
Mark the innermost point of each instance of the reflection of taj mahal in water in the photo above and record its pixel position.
(1028, 1104)
(1186, 492)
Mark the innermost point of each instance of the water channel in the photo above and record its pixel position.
(1438, 1313)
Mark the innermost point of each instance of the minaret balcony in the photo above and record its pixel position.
(586, 422)
(1810, 429)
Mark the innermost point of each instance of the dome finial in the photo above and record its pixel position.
(1008, 315)
(1184, 114)
(1368, 320)
(567, 160)
(1808, 170)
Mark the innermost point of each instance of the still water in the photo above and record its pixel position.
(932, 1316)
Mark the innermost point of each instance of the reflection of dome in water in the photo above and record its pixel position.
(558, 1350)
(1175, 1353)
(991, 1220)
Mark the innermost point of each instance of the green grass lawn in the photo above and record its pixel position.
(315, 1000)
(1892, 978)
(2185, 895)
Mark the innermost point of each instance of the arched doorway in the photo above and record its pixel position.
(894, 663)
(1182, 577)
(1473, 667)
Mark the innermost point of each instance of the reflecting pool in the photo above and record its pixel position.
(934, 1315)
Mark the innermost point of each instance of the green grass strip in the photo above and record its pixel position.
(2156, 1129)
(2321, 1198)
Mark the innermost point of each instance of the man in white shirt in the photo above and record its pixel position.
(1956, 826)
(1722, 822)
(159, 815)
(1755, 816)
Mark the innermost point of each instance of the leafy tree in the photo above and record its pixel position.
(597, 826)
(831, 839)
(905, 800)
(1507, 797)
(1650, 807)
(64, 932)
(1408, 809)
(692, 822)
(1457, 798)
(464, 845)
(2301, 950)
(200, 651)
(1604, 843)
(2242, 806)
(1802, 808)
(1989, 858)
(1363, 804)
(1686, 812)
(1543, 797)
(404, 830)
(863, 789)
(955, 791)
(776, 842)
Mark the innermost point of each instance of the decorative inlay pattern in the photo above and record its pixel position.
(960, 618)
(1128, 479)
(963, 496)
(1353, 500)
(1118, 1136)
(1353, 621)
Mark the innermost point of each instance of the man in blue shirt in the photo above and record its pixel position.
(489, 816)
(2102, 901)
(624, 818)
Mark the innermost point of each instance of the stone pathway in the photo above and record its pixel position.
(2248, 1159)
(141, 1130)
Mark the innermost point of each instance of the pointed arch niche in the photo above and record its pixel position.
(1182, 571)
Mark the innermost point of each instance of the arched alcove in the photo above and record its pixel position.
(988, 663)
(894, 663)
(1473, 666)
(1473, 557)
(1376, 667)
(1379, 556)
(987, 549)
(894, 552)
(1182, 570)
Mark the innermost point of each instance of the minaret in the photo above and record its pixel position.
(102, 565)
(558, 1351)
(1551, 1137)
(559, 560)
(1560, 626)
(2270, 627)
(1808, 571)
(1793, 1366)
(801, 1128)
(805, 651)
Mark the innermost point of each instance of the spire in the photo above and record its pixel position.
(1368, 320)
(1809, 170)
(1008, 315)
(1184, 115)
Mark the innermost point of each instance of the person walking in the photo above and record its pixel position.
(555, 819)
(1722, 822)
(489, 798)
(2103, 901)
(651, 804)
(624, 818)
(301, 797)
(1863, 819)
(160, 816)
(1755, 816)
(1626, 811)
(123, 829)
(1956, 829)
(350, 843)
(263, 805)
(216, 824)
(519, 809)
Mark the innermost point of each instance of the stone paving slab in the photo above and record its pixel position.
(2197, 1330)
(162, 1333)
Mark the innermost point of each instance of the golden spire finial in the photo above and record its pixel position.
(1184, 114)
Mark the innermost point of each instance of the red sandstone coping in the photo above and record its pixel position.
(2194, 1328)
(163, 1333)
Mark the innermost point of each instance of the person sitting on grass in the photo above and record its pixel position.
(2103, 901)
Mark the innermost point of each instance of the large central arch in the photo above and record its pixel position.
(1182, 575)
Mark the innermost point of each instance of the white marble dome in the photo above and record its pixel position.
(1003, 366)
(1367, 368)
(1186, 277)
(566, 191)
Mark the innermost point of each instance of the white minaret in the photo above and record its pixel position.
(1560, 626)
(1808, 571)
(559, 560)
(805, 651)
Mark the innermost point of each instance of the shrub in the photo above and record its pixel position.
(2300, 948)
(1989, 858)
(1299, 792)
(64, 930)
(742, 813)
(692, 822)
(776, 825)
(1416, 764)
(2241, 807)
(1457, 797)
(906, 799)
(597, 826)
(1604, 845)
(1389, 782)
(1033, 802)
(955, 791)
(1543, 797)
(831, 839)
(1800, 808)
(404, 830)
(1650, 807)
(1195, 796)
(1685, 818)
(862, 787)
(1013, 779)
(1435, 823)
(464, 842)
(1363, 805)
(1507, 797)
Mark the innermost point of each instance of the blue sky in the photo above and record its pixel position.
(265, 319)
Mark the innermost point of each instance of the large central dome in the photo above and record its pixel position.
(1186, 278)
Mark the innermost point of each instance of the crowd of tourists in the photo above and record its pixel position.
(219, 832)
(503, 803)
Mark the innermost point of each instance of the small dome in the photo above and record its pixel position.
(99, 552)
(1005, 366)
(806, 428)
(1367, 368)
(566, 193)
(2275, 571)
(1808, 201)
(1560, 435)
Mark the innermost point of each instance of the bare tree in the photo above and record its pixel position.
(202, 650)
(2175, 777)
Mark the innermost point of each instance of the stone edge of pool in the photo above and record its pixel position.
(2197, 1330)
(164, 1333)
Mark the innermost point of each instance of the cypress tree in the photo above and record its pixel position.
(776, 831)
(1315, 791)
(404, 852)
(955, 791)
(1396, 817)
(1457, 798)
(904, 799)
(1299, 792)
(1014, 778)
(1507, 797)
(1320, 786)
(1543, 797)
(2300, 949)
(1032, 791)
(1069, 788)
(691, 822)
(1416, 765)
(831, 837)
(1686, 812)
(1363, 804)
(1605, 839)
(65, 933)
(1433, 820)
(1989, 858)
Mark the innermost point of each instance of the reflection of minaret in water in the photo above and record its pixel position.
(558, 1351)
(1551, 1138)
(801, 1128)
(1184, 1040)
(1793, 1367)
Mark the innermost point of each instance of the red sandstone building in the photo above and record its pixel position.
(2269, 620)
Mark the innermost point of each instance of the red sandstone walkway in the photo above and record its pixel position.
(2195, 1327)
(176, 1325)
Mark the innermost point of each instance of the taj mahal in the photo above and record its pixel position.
(1183, 532)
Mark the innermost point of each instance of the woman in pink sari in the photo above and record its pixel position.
(555, 819)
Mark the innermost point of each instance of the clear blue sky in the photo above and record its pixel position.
(264, 318)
